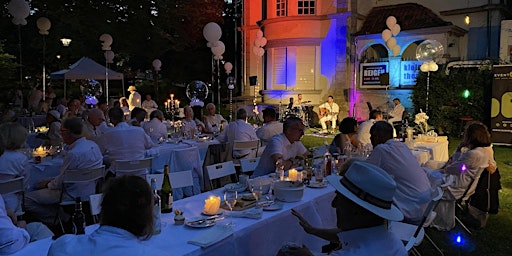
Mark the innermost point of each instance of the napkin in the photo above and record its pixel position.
(212, 235)
(252, 213)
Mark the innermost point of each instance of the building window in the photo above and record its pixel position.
(280, 75)
(306, 7)
(281, 8)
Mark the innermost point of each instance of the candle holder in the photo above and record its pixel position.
(211, 205)
(171, 108)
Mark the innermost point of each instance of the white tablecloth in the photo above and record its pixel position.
(438, 150)
(47, 169)
(263, 236)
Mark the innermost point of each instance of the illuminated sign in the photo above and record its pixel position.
(409, 72)
(370, 74)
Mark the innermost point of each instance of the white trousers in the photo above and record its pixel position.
(332, 118)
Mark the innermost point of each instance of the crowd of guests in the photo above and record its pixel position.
(99, 136)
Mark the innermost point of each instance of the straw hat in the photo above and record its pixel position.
(132, 88)
(370, 187)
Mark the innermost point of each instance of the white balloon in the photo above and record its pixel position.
(259, 34)
(109, 56)
(429, 50)
(396, 50)
(386, 34)
(157, 64)
(257, 42)
(19, 9)
(261, 52)
(396, 29)
(390, 21)
(43, 24)
(263, 41)
(212, 32)
(106, 39)
(219, 49)
(432, 66)
(390, 43)
(424, 67)
(255, 50)
(228, 67)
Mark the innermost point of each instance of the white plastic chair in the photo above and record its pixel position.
(134, 167)
(14, 186)
(245, 145)
(220, 170)
(249, 165)
(95, 205)
(178, 180)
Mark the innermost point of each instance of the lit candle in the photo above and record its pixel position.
(292, 174)
(172, 97)
(40, 151)
(177, 103)
(166, 105)
(212, 205)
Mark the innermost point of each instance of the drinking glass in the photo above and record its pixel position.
(256, 189)
(230, 198)
(319, 174)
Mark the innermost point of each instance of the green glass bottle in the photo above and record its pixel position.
(166, 192)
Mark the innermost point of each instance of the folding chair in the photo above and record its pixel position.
(134, 167)
(216, 153)
(249, 165)
(14, 186)
(178, 180)
(252, 145)
(85, 181)
(218, 171)
(95, 205)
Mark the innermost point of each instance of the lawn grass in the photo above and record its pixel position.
(494, 238)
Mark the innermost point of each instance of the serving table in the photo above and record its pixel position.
(263, 236)
(438, 150)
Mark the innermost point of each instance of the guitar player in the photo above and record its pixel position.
(329, 112)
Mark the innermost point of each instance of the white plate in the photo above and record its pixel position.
(273, 207)
(318, 185)
(235, 186)
(207, 223)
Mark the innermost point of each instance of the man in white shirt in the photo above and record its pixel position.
(329, 112)
(413, 191)
(363, 133)
(396, 113)
(213, 122)
(155, 128)
(239, 130)
(270, 127)
(134, 98)
(285, 147)
(95, 124)
(81, 154)
(123, 142)
(148, 104)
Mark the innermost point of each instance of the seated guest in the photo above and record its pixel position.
(123, 104)
(361, 220)
(52, 137)
(148, 104)
(363, 133)
(471, 158)
(396, 113)
(123, 142)
(270, 126)
(137, 116)
(62, 106)
(73, 109)
(80, 154)
(189, 123)
(126, 219)
(413, 192)
(239, 130)
(155, 128)
(283, 148)
(17, 234)
(346, 141)
(95, 124)
(214, 123)
(13, 164)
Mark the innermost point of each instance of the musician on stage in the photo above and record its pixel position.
(329, 112)
(298, 107)
(298, 102)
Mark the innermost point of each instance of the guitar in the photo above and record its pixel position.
(323, 112)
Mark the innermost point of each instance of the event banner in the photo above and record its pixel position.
(501, 105)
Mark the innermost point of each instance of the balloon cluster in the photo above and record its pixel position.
(91, 90)
(107, 42)
(259, 43)
(197, 91)
(429, 51)
(19, 9)
(43, 24)
(389, 34)
(212, 33)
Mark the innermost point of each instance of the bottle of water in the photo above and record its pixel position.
(157, 221)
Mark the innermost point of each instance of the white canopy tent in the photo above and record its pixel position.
(86, 68)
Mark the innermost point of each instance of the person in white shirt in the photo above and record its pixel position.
(17, 234)
(52, 137)
(62, 106)
(134, 100)
(239, 130)
(155, 128)
(329, 112)
(214, 123)
(81, 154)
(363, 133)
(123, 142)
(95, 124)
(270, 126)
(363, 204)
(148, 104)
(137, 117)
(414, 191)
(284, 147)
(397, 112)
(126, 220)
(189, 123)
(34, 98)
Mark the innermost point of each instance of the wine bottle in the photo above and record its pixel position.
(327, 162)
(78, 218)
(157, 222)
(166, 192)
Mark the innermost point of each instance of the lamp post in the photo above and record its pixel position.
(44, 24)
(65, 42)
(157, 64)
(109, 56)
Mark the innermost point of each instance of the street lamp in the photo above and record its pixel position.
(44, 24)
(65, 41)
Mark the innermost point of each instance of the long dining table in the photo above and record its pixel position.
(263, 236)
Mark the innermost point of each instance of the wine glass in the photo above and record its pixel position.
(256, 189)
(230, 198)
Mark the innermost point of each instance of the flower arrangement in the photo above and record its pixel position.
(421, 122)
